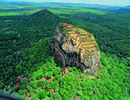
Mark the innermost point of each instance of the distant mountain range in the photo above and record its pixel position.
(60, 4)
(127, 7)
(81, 5)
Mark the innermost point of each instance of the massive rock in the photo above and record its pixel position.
(76, 47)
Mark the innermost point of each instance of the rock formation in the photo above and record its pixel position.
(76, 47)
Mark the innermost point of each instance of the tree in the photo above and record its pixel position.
(51, 94)
(15, 95)
(33, 85)
(42, 94)
(79, 93)
(34, 98)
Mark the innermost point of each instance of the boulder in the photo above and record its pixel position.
(76, 47)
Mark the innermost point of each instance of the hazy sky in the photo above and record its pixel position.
(105, 2)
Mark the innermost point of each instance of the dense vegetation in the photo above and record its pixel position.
(27, 62)
(97, 20)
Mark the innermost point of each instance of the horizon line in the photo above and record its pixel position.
(63, 2)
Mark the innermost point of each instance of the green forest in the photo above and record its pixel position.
(27, 65)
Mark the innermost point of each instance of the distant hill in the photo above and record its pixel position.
(127, 7)
(123, 9)
(42, 18)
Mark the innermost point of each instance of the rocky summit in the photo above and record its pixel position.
(75, 47)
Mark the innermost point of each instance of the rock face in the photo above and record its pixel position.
(76, 47)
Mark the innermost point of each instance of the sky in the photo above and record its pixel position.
(104, 2)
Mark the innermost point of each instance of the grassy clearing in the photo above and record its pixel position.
(76, 10)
